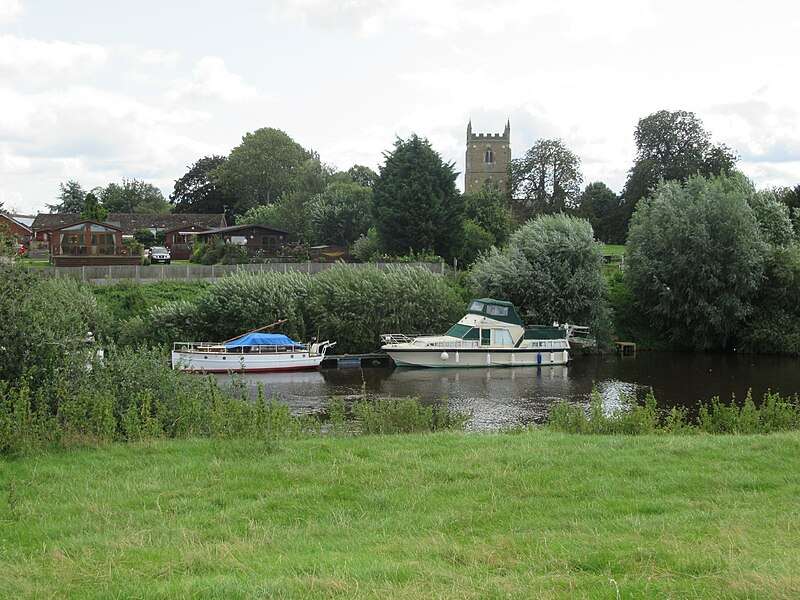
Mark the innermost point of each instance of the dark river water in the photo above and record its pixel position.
(499, 398)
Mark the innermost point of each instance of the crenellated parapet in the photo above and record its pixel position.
(488, 158)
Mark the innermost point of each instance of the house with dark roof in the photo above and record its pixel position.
(256, 239)
(179, 240)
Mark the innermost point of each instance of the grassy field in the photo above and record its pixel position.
(612, 250)
(534, 515)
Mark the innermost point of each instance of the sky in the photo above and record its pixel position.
(97, 91)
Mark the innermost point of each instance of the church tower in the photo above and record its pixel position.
(488, 157)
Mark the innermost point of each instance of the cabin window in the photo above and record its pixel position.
(476, 306)
(502, 337)
(486, 337)
(496, 311)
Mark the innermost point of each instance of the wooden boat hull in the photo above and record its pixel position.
(224, 362)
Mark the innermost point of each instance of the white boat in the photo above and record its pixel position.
(251, 353)
(491, 334)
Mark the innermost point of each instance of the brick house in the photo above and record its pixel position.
(17, 227)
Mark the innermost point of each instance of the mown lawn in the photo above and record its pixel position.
(613, 250)
(450, 515)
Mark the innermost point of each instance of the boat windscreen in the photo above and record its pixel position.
(459, 331)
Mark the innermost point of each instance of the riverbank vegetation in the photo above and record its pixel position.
(132, 395)
(413, 516)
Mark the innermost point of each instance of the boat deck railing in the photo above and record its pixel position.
(420, 340)
(217, 348)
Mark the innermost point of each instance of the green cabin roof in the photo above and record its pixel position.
(496, 309)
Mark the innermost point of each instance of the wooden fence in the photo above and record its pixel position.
(155, 273)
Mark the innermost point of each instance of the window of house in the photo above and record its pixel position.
(269, 244)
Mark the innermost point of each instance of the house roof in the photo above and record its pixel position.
(130, 222)
(21, 220)
(234, 228)
(106, 224)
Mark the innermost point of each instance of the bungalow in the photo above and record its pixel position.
(89, 243)
(257, 239)
(179, 240)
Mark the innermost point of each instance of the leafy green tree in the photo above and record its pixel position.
(773, 326)
(362, 175)
(547, 179)
(340, 214)
(772, 215)
(672, 146)
(134, 196)
(197, 192)
(56, 313)
(145, 237)
(598, 204)
(416, 204)
(314, 176)
(93, 210)
(551, 269)
(71, 197)
(695, 259)
(487, 207)
(262, 168)
(477, 241)
(791, 198)
(7, 244)
(366, 247)
(289, 214)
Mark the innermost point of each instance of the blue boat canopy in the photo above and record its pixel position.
(262, 339)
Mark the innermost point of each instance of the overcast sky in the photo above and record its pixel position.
(95, 91)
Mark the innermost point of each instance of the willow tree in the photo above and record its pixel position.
(551, 269)
(695, 259)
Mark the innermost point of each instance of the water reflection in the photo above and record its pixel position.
(502, 397)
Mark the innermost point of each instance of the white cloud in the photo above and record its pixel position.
(578, 20)
(156, 57)
(9, 9)
(39, 62)
(211, 80)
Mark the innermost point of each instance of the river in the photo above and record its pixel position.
(499, 398)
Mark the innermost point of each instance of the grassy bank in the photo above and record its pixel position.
(538, 514)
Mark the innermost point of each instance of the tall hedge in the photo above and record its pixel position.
(243, 302)
(353, 307)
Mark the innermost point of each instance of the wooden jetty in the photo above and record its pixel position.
(626, 347)
(355, 361)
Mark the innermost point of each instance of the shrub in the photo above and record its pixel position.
(242, 302)
(354, 306)
(774, 414)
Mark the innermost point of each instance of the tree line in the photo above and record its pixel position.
(711, 262)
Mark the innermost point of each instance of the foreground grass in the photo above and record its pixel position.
(415, 516)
